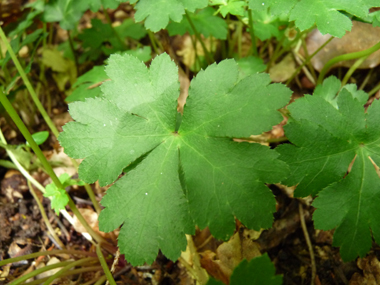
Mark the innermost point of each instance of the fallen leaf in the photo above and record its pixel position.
(283, 70)
(371, 271)
(91, 218)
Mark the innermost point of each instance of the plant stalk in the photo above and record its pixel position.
(208, 56)
(43, 253)
(307, 60)
(28, 85)
(344, 57)
(49, 170)
(105, 266)
(252, 33)
(67, 267)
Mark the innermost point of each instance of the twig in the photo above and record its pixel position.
(308, 242)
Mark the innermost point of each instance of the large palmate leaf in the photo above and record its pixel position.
(192, 174)
(326, 14)
(330, 132)
(157, 13)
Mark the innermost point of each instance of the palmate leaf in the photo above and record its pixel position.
(197, 175)
(326, 14)
(329, 133)
(157, 13)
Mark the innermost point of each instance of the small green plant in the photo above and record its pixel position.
(182, 170)
(196, 174)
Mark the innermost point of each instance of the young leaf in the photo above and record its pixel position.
(258, 271)
(233, 7)
(59, 197)
(204, 21)
(86, 85)
(333, 136)
(144, 54)
(95, 5)
(67, 12)
(324, 13)
(40, 137)
(250, 65)
(276, 7)
(157, 13)
(194, 175)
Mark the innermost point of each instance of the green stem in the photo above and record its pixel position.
(71, 43)
(153, 42)
(97, 280)
(49, 170)
(208, 56)
(196, 59)
(39, 271)
(21, 126)
(28, 85)
(344, 57)
(66, 268)
(71, 272)
(307, 60)
(365, 81)
(43, 253)
(113, 29)
(353, 68)
(39, 204)
(105, 266)
(310, 66)
(44, 216)
(374, 90)
(252, 33)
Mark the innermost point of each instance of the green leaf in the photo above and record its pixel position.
(95, 5)
(130, 29)
(100, 33)
(258, 271)
(233, 7)
(40, 137)
(66, 12)
(22, 26)
(157, 13)
(250, 65)
(375, 18)
(86, 85)
(326, 14)
(144, 54)
(221, 178)
(58, 196)
(276, 7)
(204, 21)
(329, 133)
(95, 36)
(7, 164)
